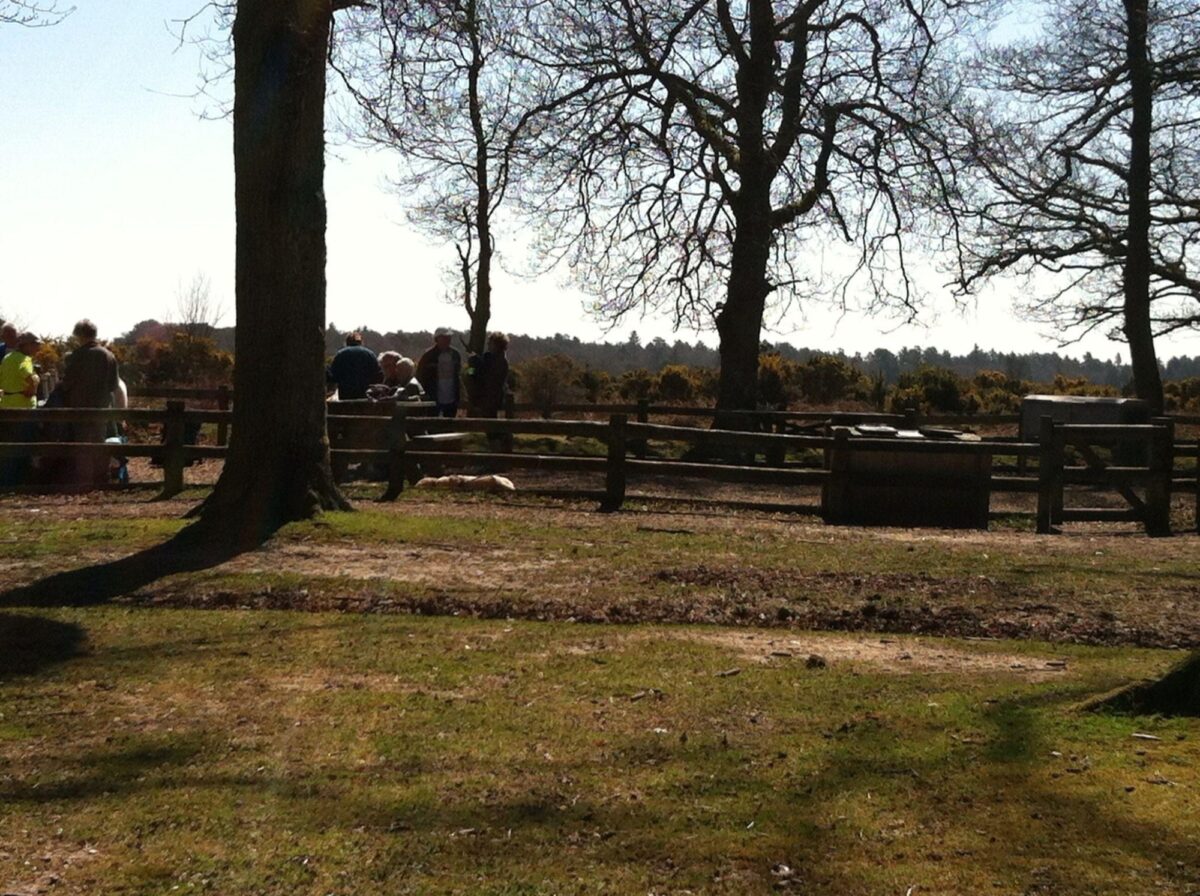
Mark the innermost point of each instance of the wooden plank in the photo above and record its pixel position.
(724, 438)
(934, 446)
(521, 461)
(1077, 433)
(77, 449)
(578, 428)
(729, 472)
(207, 394)
(1100, 515)
(1119, 479)
(1120, 484)
(1013, 484)
(80, 415)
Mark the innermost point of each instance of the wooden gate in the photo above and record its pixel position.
(1137, 465)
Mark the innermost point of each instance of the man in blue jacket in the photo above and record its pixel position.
(354, 368)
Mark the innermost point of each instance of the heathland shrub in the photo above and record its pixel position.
(676, 384)
(933, 390)
(548, 381)
(826, 379)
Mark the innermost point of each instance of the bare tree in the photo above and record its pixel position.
(728, 143)
(196, 312)
(435, 82)
(33, 13)
(1080, 147)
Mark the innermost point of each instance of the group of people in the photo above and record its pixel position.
(438, 376)
(91, 379)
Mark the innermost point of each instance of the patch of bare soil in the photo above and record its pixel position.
(897, 655)
(512, 580)
(46, 868)
(921, 603)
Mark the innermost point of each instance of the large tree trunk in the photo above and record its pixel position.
(1147, 380)
(739, 323)
(278, 468)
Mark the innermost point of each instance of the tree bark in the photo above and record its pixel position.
(739, 323)
(1147, 380)
(277, 469)
(481, 313)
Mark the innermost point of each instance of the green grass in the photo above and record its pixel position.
(36, 538)
(147, 750)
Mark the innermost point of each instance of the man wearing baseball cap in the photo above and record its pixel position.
(18, 380)
(438, 372)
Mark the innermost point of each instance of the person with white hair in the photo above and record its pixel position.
(398, 380)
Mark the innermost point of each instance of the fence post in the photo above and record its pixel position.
(835, 494)
(1049, 476)
(173, 429)
(1198, 486)
(223, 405)
(638, 446)
(614, 485)
(510, 406)
(776, 454)
(912, 418)
(397, 442)
(1158, 489)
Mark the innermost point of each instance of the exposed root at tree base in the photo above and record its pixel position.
(1177, 693)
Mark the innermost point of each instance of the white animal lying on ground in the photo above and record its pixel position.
(490, 483)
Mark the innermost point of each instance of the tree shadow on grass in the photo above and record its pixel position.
(30, 643)
(193, 549)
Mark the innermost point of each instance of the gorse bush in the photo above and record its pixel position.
(777, 381)
(1183, 396)
(548, 381)
(596, 385)
(636, 384)
(180, 359)
(676, 383)
(825, 379)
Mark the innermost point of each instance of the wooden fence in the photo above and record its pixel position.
(403, 441)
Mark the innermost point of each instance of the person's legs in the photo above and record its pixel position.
(91, 470)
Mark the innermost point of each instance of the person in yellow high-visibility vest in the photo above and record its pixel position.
(18, 389)
(18, 381)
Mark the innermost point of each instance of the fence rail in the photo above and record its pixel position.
(401, 439)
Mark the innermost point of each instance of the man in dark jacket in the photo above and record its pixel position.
(354, 368)
(489, 374)
(438, 372)
(89, 380)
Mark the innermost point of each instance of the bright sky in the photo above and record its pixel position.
(115, 192)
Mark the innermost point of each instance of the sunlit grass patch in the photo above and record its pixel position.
(284, 752)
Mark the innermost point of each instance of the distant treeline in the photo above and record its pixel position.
(616, 358)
